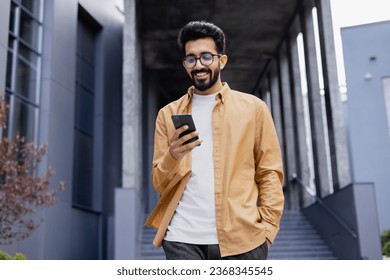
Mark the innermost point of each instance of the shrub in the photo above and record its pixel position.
(18, 256)
(385, 238)
(4, 256)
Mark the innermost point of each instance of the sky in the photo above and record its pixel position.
(354, 12)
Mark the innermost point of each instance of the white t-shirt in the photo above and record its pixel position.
(194, 220)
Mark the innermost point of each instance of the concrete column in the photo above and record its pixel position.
(288, 125)
(275, 105)
(266, 96)
(336, 124)
(127, 224)
(276, 109)
(151, 106)
(5, 7)
(132, 102)
(129, 211)
(303, 170)
(315, 105)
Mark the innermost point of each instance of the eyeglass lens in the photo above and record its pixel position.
(206, 59)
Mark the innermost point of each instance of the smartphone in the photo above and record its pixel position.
(185, 119)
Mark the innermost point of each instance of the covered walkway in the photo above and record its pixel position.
(281, 51)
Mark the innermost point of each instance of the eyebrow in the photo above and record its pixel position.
(191, 54)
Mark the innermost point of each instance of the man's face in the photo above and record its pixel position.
(206, 79)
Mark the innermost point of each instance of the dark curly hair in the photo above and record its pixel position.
(201, 29)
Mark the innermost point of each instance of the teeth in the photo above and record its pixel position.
(201, 74)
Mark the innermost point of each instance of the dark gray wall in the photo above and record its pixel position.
(353, 233)
(366, 51)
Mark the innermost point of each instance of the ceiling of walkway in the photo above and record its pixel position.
(254, 29)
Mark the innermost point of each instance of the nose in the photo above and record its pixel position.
(198, 64)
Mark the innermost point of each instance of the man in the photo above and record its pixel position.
(221, 195)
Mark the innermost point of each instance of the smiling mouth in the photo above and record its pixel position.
(201, 74)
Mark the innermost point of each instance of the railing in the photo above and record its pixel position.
(335, 216)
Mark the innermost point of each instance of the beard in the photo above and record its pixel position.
(204, 85)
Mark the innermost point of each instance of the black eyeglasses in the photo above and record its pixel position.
(206, 59)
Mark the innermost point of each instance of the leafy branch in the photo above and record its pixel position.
(22, 190)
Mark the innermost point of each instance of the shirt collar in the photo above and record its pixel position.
(222, 94)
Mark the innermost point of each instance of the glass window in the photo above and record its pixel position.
(386, 91)
(83, 170)
(23, 71)
(12, 19)
(24, 119)
(85, 74)
(85, 42)
(26, 79)
(84, 110)
(84, 189)
(29, 30)
(8, 83)
(32, 6)
(5, 132)
(11, 42)
(28, 54)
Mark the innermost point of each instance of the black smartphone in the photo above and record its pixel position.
(185, 119)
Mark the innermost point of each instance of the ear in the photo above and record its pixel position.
(223, 61)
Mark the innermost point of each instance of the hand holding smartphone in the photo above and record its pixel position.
(185, 119)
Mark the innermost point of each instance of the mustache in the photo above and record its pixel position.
(194, 72)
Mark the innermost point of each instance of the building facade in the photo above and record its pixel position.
(367, 68)
(61, 71)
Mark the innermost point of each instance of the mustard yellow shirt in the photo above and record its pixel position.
(248, 171)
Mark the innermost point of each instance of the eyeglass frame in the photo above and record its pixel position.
(199, 58)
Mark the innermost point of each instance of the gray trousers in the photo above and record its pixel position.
(185, 251)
